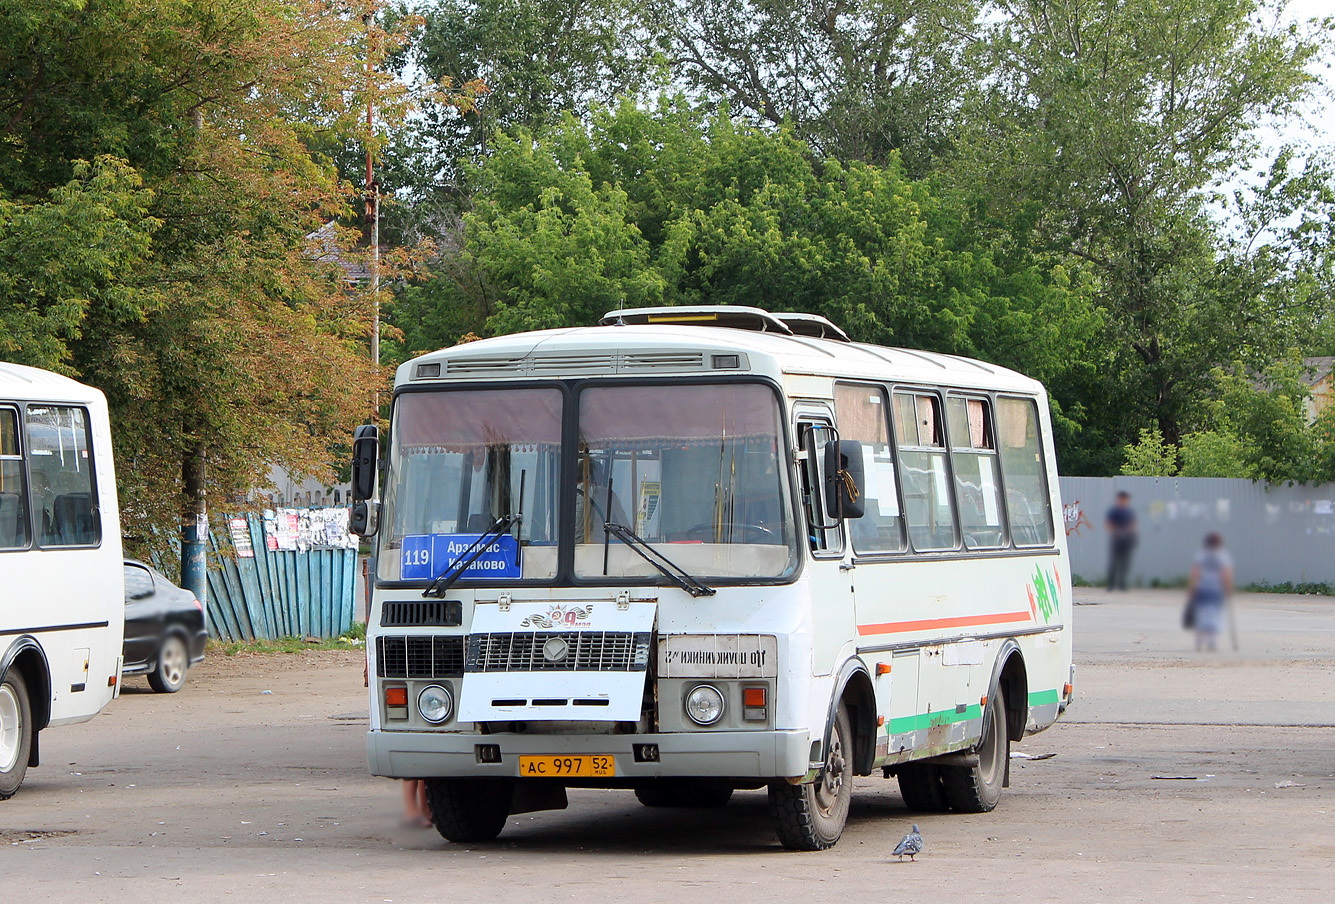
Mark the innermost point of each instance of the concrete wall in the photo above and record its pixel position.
(1276, 534)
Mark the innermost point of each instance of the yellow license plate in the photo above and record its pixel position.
(583, 766)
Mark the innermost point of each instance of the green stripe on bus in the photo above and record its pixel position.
(922, 721)
(906, 724)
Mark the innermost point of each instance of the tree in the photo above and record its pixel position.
(1110, 121)
(188, 293)
(857, 79)
(671, 206)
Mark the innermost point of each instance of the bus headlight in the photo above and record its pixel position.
(704, 704)
(435, 703)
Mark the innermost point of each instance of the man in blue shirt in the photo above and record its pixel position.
(1121, 524)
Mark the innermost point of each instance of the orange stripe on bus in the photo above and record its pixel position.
(928, 624)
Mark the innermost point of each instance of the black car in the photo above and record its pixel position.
(164, 628)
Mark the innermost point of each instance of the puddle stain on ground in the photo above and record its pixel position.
(27, 836)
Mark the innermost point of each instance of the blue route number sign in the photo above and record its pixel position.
(426, 556)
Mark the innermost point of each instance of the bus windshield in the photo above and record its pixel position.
(460, 460)
(693, 470)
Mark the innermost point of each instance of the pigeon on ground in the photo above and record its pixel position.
(910, 844)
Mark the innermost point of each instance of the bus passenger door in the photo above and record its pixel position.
(828, 573)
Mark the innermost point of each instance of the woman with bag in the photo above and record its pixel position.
(1208, 591)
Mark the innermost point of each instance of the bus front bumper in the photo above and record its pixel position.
(730, 754)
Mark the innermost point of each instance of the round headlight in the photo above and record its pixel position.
(435, 703)
(704, 704)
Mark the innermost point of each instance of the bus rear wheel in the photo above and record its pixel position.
(921, 787)
(811, 817)
(15, 733)
(977, 789)
(469, 810)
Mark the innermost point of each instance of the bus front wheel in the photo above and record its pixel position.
(976, 789)
(15, 733)
(811, 817)
(469, 810)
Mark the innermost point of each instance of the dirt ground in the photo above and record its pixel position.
(1176, 776)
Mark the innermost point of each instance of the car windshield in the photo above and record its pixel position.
(693, 470)
(459, 461)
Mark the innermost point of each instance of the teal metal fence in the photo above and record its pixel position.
(263, 594)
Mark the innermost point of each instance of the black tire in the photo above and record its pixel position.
(976, 789)
(812, 817)
(697, 793)
(15, 733)
(469, 810)
(921, 787)
(168, 676)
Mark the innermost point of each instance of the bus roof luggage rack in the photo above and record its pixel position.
(737, 317)
(812, 325)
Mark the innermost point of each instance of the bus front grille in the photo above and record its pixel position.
(420, 656)
(559, 651)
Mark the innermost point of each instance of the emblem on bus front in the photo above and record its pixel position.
(560, 617)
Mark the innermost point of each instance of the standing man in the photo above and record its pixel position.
(1121, 524)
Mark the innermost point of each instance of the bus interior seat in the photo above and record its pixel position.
(72, 519)
(12, 533)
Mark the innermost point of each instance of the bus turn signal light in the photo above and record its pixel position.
(396, 696)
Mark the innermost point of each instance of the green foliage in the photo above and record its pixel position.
(64, 260)
(1214, 453)
(672, 206)
(1109, 123)
(1151, 457)
(858, 80)
(172, 271)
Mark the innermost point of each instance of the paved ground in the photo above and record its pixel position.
(1176, 777)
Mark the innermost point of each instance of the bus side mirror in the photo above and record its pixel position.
(365, 455)
(844, 479)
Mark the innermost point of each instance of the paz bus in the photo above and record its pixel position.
(695, 550)
(62, 592)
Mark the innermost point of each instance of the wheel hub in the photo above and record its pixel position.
(832, 778)
(9, 729)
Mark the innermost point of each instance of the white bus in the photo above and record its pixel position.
(62, 592)
(694, 550)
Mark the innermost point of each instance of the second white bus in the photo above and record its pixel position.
(62, 591)
(694, 550)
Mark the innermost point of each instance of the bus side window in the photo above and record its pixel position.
(861, 412)
(823, 532)
(13, 498)
(1023, 472)
(923, 473)
(60, 462)
(973, 453)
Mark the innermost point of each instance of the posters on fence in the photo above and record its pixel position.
(303, 529)
(240, 531)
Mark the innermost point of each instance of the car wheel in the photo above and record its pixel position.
(173, 662)
(15, 733)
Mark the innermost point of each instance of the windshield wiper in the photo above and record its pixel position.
(655, 558)
(470, 555)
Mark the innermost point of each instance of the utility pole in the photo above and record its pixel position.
(194, 486)
(373, 210)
